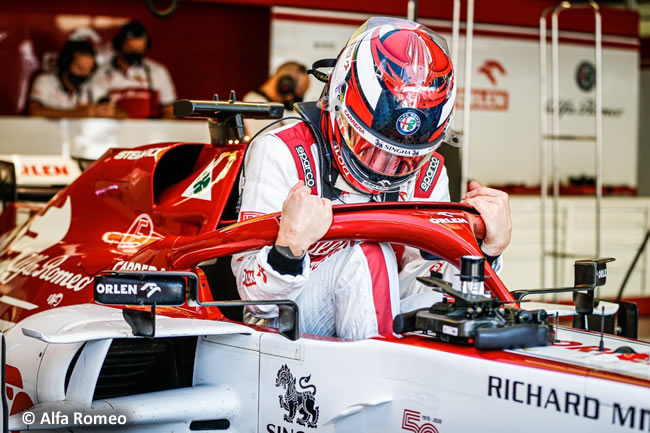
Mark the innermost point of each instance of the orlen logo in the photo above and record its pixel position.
(150, 288)
(412, 421)
(306, 166)
(44, 170)
(128, 289)
(489, 68)
(448, 218)
(491, 99)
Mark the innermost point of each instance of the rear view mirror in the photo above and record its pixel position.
(588, 274)
(142, 288)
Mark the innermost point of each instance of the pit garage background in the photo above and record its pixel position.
(214, 46)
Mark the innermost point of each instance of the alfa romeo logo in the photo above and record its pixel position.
(586, 76)
(408, 123)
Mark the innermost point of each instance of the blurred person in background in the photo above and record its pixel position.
(66, 92)
(137, 85)
(287, 86)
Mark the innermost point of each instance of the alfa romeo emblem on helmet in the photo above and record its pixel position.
(408, 123)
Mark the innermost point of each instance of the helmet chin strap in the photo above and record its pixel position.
(321, 76)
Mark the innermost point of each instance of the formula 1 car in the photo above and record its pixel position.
(121, 314)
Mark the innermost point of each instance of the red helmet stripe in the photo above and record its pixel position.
(354, 98)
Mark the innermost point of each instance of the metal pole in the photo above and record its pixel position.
(66, 140)
(455, 42)
(555, 66)
(555, 170)
(599, 124)
(556, 137)
(455, 33)
(412, 10)
(467, 104)
(543, 128)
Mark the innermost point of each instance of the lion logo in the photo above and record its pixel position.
(297, 402)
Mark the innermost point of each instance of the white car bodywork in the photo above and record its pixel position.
(258, 381)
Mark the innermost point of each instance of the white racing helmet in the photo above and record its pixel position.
(388, 102)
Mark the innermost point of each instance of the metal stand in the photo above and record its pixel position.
(467, 99)
(412, 10)
(556, 138)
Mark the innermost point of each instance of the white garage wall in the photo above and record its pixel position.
(504, 144)
(624, 224)
(90, 138)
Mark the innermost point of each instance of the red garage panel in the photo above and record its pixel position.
(207, 47)
(525, 13)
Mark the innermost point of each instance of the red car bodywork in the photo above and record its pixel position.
(109, 197)
(140, 210)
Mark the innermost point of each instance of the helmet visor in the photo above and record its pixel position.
(378, 154)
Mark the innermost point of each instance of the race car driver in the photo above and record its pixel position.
(386, 108)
